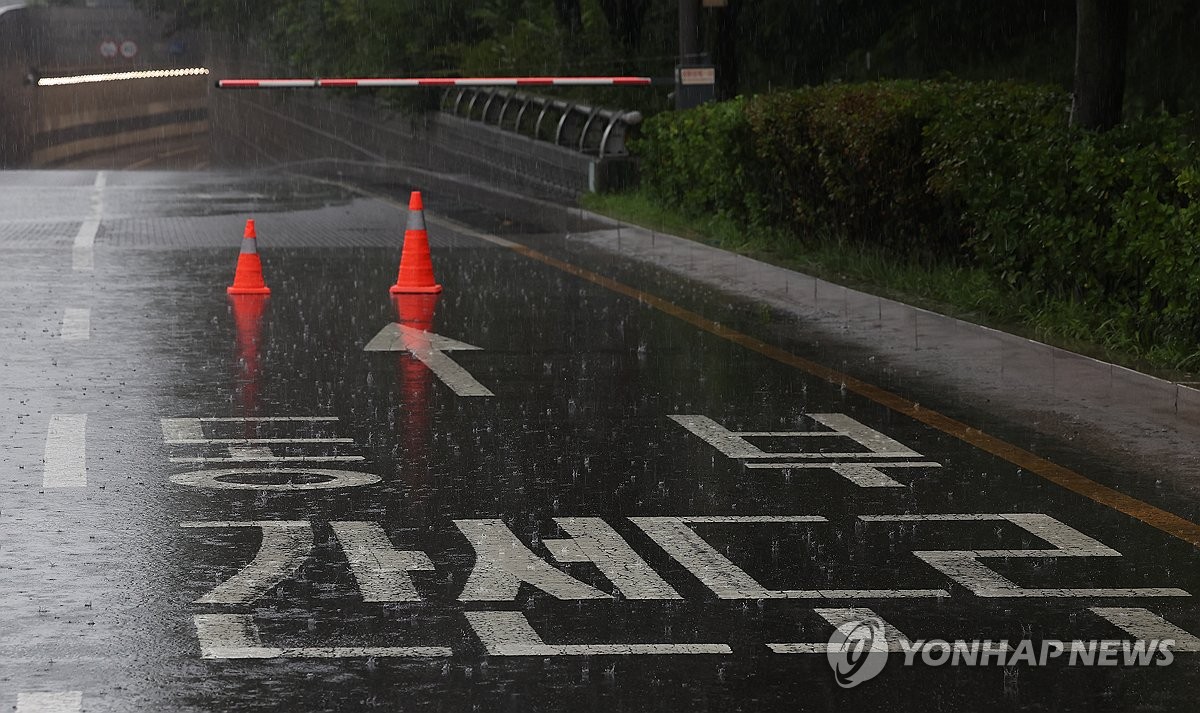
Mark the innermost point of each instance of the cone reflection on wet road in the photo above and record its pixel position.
(415, 310)
(247, 318)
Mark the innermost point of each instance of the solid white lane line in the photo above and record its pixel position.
(76, 324)
(65, 459)
(67, 702)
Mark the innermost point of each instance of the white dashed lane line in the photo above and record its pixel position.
(83, 252)
(76, 324)
(65, 459)
(32, 702)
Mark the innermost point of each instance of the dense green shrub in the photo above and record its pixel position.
(847, 158)
(700, 160)
(1107, 220)
(988, 174)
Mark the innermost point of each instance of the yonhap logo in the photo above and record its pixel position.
(858, 651)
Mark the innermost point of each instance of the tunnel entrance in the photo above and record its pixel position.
(101, 88)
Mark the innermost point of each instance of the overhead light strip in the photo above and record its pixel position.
(119, 76)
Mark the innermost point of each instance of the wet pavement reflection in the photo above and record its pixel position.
(644, 516)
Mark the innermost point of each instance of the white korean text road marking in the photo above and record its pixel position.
(234, 636)
(964, 567)
(502, 563)
(850, 465)
(727, 580)
(285, 546)
(508, 633)
(380, 569)
(1144, 625)
(593, 540)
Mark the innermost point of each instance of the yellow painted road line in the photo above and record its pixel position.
(1157, 518)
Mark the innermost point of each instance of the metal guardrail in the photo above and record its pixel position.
(589, 130)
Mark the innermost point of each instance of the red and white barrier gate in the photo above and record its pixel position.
(435, 82)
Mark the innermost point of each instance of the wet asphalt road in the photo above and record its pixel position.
(512, 552)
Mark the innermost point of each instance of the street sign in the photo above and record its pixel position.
(108, 49)
(129, 49)
(694, 85)
(697, 75)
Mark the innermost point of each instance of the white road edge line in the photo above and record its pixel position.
(65, 459)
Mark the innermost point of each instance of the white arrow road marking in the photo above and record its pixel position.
(428, 348)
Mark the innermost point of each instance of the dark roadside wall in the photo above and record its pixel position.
(17, 98)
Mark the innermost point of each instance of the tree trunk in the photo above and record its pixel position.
(1102, 31)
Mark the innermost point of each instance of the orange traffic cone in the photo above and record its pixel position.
(248, 280)
(416, 265)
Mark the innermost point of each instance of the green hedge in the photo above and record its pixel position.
(984, 174)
